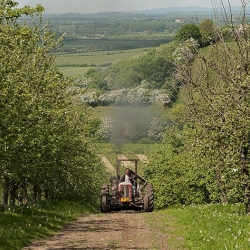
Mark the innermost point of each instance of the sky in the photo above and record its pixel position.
(93, 6)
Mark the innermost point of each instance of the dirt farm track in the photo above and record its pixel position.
(120, 230)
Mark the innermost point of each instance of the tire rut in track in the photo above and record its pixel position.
(125, 163)
(107, 163)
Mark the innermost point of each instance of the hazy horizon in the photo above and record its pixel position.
(93, 6)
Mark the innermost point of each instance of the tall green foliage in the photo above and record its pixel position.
(189, 31)
(176, 176)
(207, 30)
(217, 94)
(43, 144)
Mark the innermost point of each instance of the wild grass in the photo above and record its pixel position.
(20, 225)
(204, 227)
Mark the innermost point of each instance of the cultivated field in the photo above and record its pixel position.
(98, 57)
(77, 64)
(77, 72)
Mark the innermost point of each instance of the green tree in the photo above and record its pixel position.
(189, 31)
(217, 94)
(208, 32)
(155, 68)
(43, 143)
(124, 74)
(177, 178)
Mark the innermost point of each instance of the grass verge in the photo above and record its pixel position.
(20, 225)
(205, 227)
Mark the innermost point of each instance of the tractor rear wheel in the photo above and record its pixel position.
(149, 199)
(104, 189)
(145, 203)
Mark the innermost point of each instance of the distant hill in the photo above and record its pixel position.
(177, 10)
(160, 11)
(202, 10)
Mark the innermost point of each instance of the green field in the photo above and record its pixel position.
(144, 35)
(97, 57)
(101, 44)
(74, 71)
(77, 64)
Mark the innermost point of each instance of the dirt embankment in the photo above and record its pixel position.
(120, 230)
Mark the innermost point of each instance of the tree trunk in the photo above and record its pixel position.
(246, 189)
(223, 193)
(39, 194)
(46, 194)
(5, 197)
(12, 192)
(246, 178)
(22, 194)
(36, 193)
(25, 196)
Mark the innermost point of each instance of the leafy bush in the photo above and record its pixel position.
(176, 177)
(189, 31)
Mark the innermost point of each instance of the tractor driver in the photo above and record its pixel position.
(127, 177)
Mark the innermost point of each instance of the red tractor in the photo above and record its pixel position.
(119, 195)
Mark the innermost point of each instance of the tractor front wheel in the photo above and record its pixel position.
(105, 207)
(104, 204)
